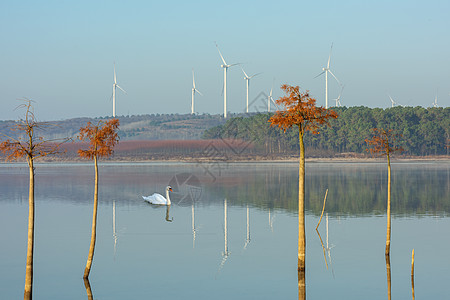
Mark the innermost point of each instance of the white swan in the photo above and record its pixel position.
(159, 199)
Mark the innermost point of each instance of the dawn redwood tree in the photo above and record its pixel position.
(301, 111)
(102, 138)
(382, 143)
(30, 146)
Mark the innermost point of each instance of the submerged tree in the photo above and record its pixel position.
(301, 111)
(102, 139)
(30, 146)
(383, 143)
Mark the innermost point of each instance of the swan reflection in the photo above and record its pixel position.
(167, 214)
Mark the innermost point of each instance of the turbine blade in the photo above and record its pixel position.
(221, 56)
(193, 79)
(320, 74)
(121, 88)
(198, 92)
(234, 64)
(276, 105)
(329, 57)
(335, 77)
(256, 74)
(245, 74)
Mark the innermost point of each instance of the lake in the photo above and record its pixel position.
(231, 232)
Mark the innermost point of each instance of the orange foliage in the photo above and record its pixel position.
(102, 138)
(30, 146)
(382, 142)
(301, 110)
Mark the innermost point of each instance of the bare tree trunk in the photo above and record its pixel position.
(28, 293)
(388, 230)
(87, 270)
(301, 205)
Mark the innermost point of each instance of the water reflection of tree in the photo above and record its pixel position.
(87, 285)
(388, 275)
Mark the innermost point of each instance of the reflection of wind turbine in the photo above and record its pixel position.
(271, 216)
(225, 254)
(114, 227)
(327, 70)
(225, 67)
(329, 248)
(115, 85)
(247, 79)
(247, 240)
(115, 233)
(193, 92)
(194, 230)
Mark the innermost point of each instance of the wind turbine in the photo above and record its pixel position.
(193, 92)
(393, 103)
(338, 101)
(326, 71)
(270, 99)
(115, 85)
(225, 67)
(435, 104)
(247, 79)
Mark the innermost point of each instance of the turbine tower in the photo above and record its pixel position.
(115, 85)
(326, 71)
(225, 67)
(247, 79)
(193, 92)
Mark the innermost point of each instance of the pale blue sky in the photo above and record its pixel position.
(61, 53)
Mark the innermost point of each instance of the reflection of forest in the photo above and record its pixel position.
(354, 189)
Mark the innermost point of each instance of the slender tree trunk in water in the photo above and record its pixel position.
(28, 293)
(388, 231)
(87, 270)
(301, 205)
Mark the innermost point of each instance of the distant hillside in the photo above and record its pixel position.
(142, 127)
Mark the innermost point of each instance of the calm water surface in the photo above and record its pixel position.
(233, 231)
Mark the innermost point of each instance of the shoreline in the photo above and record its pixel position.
(201, 160)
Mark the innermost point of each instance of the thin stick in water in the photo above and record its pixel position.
(324, 201)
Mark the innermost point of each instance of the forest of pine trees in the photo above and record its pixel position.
(424, 131)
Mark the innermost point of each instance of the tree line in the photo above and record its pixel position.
(422, 131)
